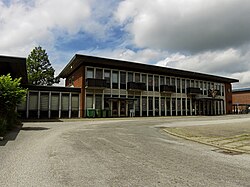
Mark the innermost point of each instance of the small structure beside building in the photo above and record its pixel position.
(241, 101)
(41, 101)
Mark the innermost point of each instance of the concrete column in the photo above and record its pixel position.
(60, 105)
(49, 112)
(191, 107)
(27, 104)
(147, 106)
(70, 104)
(165, 105)
(79, 106)
(171, 106)
(38, 104)
(159, 105)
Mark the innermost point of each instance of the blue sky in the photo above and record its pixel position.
(209, 37)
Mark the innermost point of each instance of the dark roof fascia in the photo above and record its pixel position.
(51, 88)
(79, 60)
(16, 66)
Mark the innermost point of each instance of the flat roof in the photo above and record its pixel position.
(79, 60)
(16, 66)
(241, 90)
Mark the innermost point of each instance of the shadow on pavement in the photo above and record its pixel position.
(34, 128)
(10, 136)
(42, 120)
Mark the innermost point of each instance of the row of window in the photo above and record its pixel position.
(153, 82)
(158, 105)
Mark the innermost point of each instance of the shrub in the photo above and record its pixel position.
(11, 94)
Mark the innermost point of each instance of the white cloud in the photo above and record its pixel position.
(231, 63)
(186, 25)
(24, 25)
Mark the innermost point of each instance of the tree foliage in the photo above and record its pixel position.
(11, 94)
(39, 68)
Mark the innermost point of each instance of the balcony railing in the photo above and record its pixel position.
(96, 83)
(136, 86)
(193, 91)
(167, 88)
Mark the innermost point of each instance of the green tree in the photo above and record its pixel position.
(39, 68)
(11, 94)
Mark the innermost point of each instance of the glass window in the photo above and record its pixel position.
(162, 80)
(205, 88)
(144, 78)
(107, 77)
(130, 77)
(173, 107)
(208, 86)
(173, 81)
(156, 82)
(183, 85)
(150, 82)
(168, 81)
(115, 79)
(168, 106)
(163, 106)
(137, 77)
(179, 106)
(144, 106)
(183, 106)
(156, 106)
(99, 74)
(89, 101)
(150, 103)
(106, 102)
(178, 86)
(122, 80)
(98, 102)
(188, 83)
(90, 73)
(192, 83)
(196, 84)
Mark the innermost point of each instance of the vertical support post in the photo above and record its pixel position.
(70, 104)
(49, 112)
(27, 104)
(38, 104)
(60, 105)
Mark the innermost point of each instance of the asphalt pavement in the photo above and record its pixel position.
(117, 152)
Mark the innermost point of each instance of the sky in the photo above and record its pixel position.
(196, 35)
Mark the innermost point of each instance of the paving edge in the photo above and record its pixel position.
(205, 143)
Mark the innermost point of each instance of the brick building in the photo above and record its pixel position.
(116, 88)
(241, 100)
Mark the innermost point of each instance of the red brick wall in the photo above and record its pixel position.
(228, 95)
(241, 98)
(79, 82)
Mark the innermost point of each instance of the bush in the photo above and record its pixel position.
(11, 94)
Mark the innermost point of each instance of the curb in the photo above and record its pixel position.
(205, 143)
